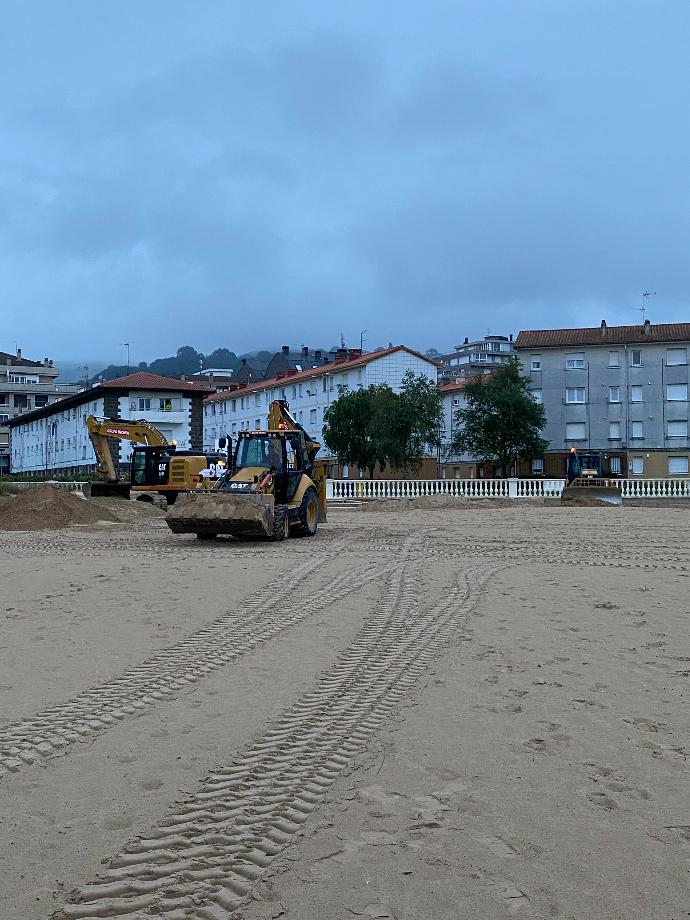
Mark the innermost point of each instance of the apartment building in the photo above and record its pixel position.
(310, 392)
(478, 357)
(619, 393)
(24, 385)
(54, 439)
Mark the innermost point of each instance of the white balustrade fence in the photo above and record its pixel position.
(343, 489)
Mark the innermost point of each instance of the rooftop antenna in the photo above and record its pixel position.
(643, 308)
(342, 340)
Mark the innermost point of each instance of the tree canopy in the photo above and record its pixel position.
(378, 427)
(501, 421)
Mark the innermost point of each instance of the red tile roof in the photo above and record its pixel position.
(143, 381)
(460, 383)
(604, 335)
(330, 368)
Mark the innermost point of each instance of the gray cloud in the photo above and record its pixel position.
(424, 174)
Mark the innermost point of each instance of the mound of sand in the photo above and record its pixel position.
(48, 508)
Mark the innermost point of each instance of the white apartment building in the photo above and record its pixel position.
(54, 439)
(310, 392)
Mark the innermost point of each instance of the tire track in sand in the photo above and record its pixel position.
(263, 615)
(201, 861)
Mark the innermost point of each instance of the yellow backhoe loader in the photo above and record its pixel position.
(157, 467)
(272, 489)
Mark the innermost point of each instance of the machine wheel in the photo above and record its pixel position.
(308, 515)
(206, 536)
(281, 524)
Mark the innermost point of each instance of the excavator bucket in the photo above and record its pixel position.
(105, 489)
(210, 513)
(592, 492)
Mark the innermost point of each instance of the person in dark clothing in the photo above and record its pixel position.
(574, 468)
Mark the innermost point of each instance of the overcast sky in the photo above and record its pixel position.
(243, 174)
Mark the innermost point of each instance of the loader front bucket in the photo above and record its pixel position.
(99, 489)
(210, 513)
(592, 492)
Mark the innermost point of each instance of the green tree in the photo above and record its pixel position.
(377, 427)
(501, 421)
(421, 410)
(348, 430)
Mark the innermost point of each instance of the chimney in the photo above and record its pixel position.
(46, 362)
(19, 352)
(286, 349)
(647, 328)
(467, 341)
(326, 359)
(603, 328)
(353, 353)
(244, 361)
(317, 356)
(305, 352)
(510, 338)
(291, 371)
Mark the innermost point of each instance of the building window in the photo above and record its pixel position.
(536, 363)
(294, 392)
(144, 405)
(257, 423)
(537, 466)
(636, 357)
(676, 356)
(614, 431)
(677, 429)
(636, 394)
(636, 430)
(312, 416)
(678, 466)
(575, 431)
(575, 361)
(614, 394)
(537, 396)
(614, 359)
(637, 465)
(677, 392)
(257, 399)
(234, 428)
(615, 465)
(575, 394)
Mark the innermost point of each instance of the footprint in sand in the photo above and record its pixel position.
(117, 823)
(603, 801)
(150, 783)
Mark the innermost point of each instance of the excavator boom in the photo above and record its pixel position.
(100, 430)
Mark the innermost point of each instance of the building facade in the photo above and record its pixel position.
(24, 386)
(54, 439)
(473, 358)
(619, 393)
(310, 392)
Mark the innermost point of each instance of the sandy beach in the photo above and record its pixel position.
(479, 712)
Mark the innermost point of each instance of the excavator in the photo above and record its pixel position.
(156, 467)
(272, 489)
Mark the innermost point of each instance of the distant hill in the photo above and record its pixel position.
(187, 361)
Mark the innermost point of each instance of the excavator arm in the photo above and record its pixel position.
(280, 419)
(100, 429)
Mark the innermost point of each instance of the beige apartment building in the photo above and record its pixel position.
(24, 386)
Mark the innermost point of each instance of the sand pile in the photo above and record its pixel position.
(48, 508)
